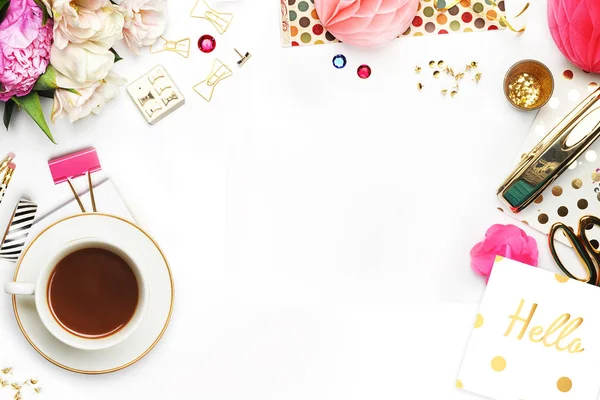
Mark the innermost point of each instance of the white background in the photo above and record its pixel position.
(318, 225)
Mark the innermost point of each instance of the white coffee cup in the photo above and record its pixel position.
(40, 292)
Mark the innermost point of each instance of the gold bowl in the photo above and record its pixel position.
(528, 85)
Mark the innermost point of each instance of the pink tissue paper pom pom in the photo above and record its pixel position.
(366, 23)
(24, 48)
(503, 240)
(575, 28)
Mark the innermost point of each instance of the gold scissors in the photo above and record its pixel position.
(588, 255)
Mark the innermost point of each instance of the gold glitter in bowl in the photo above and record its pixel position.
(528, 85)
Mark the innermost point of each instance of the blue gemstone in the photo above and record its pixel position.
(339, 61)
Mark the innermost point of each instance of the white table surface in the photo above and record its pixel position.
(318, 226)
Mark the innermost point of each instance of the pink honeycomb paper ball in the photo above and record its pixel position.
(575, 28)
(366, 23)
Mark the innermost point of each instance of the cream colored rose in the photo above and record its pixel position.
(82, 63)
(92, 97)
(145, 21)
(80, 21)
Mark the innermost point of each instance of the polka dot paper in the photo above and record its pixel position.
(576, 192)
(300, 23)
(535, 337)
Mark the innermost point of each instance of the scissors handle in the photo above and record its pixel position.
(580, 246)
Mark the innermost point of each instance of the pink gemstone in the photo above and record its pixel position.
(364, 71)
(207, 43)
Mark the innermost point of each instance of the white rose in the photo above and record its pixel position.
(92, 97)
(86, 20)
(145, 21)
(82, 63)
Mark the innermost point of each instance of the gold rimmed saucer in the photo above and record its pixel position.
(142, 248)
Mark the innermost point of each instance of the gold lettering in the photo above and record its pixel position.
(517, 317)
(554, 336)
(536, 330)
(554, 326)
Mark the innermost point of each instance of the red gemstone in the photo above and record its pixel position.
(364, 71)
(207, 43)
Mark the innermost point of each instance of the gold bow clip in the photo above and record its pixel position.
(181, 47)
(220, 20)
(219, 72)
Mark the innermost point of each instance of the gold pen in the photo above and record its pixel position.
(553, 154)
(6, 180)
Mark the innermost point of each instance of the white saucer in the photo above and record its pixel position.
(145, 252)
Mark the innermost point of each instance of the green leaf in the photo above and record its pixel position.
(3, 8)
(46, 81)
(117, 56)
(32, 106)
(49, 94)
(9, 106)
(74, 91)
(45, 14)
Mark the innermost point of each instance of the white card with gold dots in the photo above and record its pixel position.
(537, 336)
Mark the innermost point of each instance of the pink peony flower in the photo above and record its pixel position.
(24, 48)
(503, 240)
(366, 23)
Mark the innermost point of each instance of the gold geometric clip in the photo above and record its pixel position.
(219, 72)
(181, 47)
(220, 20)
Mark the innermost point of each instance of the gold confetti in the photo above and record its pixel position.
(524, 90)
(420, 86)
(441, 64)
(453, 93)
(436, 74)
(449, 71)
(418, 69)
(33, 381)
(444, 92)
(17, 396)
(459, 76)
(37, 389)
(15, 386)
(431, 64)
(468, 67)
(477, 77)
(473, 64)
(6, 371)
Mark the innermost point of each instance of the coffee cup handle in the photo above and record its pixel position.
(18, 288)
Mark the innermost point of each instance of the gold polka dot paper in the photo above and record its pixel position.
(576, 192)
(535, 337)
(300, 24)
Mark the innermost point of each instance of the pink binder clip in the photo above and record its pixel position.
(84, 162)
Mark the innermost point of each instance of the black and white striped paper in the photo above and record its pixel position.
(18, 230)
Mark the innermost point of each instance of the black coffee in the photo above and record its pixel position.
(93, 293)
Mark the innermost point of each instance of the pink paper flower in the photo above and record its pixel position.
(503, 240)
(24, 48)
(366, 23)
(575, 28)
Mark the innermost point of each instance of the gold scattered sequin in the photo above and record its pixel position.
(564, 384)
(33, 381)
(453, 94)
(568, 74)
(15, 386)
(37, 389)
(557, 191)
(436, 74)
(500, 209)
(582, 204)
(418, 69)
(459, 76)
(6, 371)
(543, 219)
(444, 92)
(477, 77)
(577, 183)
(473, 64)
(596, 176)
(420, 86)
(449, 71)
(524, 90)
(431, 64)
(441, 64)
